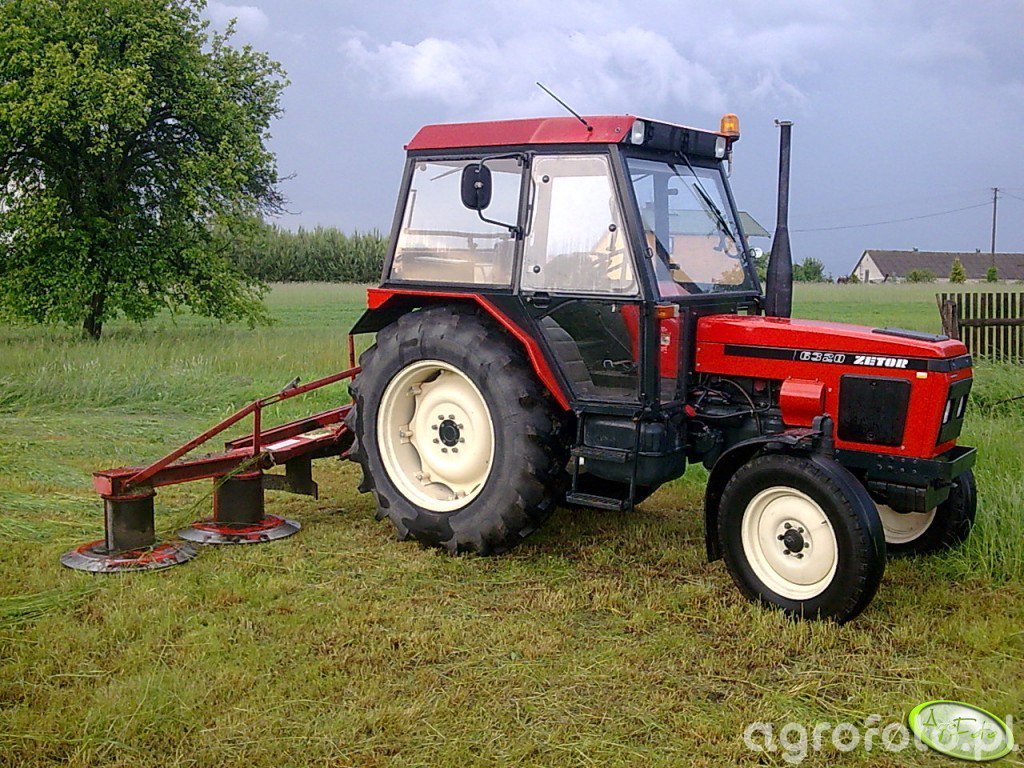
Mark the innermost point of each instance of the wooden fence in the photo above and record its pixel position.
(991, 324)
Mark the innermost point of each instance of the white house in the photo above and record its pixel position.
(876, 266)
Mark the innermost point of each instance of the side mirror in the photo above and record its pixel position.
(756, 253)
(476, 186)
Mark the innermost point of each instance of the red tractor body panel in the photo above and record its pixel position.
(603, 129)
(376, 298)
(779, 349)
(609, 129)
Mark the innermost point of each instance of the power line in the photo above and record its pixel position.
(895, 221)
(1004, 193)
(904, 202)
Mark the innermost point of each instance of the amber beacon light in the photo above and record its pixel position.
(730, 125)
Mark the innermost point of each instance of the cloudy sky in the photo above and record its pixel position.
(902, 110)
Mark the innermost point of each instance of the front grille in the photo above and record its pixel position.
(953, 412)
(873, 409)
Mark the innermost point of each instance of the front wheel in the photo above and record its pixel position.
(801, 534)
(942, 528)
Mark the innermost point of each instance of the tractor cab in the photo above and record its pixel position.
(601, 236)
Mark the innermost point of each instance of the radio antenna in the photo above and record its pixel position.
(571, 111)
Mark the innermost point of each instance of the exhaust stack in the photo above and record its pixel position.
(779, 285)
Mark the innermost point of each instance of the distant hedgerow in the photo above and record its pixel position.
(323, 255)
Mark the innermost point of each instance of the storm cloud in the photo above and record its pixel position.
(902, 110)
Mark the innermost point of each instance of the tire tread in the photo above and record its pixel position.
(487, 350)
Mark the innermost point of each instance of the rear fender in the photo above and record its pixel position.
(385, 305)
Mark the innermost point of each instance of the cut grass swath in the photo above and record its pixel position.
(18, 610)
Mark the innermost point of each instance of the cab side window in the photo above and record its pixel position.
(443, 241)
(577, 241)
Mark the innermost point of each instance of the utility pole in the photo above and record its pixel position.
(995, 203)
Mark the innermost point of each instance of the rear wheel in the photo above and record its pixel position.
(801, 534)
(924, 533)
(436, 435)
(459, 443)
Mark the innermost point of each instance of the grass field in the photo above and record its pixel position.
(605, 640)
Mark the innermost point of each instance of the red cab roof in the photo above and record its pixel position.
(606, 129)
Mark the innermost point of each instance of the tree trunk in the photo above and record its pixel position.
(93, 325)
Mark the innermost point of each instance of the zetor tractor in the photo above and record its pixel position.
(570, 314)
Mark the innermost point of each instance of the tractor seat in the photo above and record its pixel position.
(568, 355)
(592, 380)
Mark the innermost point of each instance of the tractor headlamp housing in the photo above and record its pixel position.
(677, 138)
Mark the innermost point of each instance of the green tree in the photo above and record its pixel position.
(992, 275)
(810, 270)
(132, 146)
(957, 273)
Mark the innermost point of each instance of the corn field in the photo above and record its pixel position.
(323, 254)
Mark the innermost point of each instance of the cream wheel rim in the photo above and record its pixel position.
(435, 435)
(903, 527)
(789, 543)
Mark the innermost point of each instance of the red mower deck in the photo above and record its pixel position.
(239, 477)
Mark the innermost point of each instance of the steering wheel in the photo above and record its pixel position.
(585, 270)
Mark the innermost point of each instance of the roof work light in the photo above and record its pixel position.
(638, 132)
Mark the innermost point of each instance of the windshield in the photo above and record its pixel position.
(689, 226)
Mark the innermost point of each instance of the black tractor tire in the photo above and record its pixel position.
(952, 524)
(526, 474)
(771, 492)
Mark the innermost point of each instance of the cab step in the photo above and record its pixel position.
(617, 455)
(597, 502)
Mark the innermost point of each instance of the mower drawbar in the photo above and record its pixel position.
(239, 481)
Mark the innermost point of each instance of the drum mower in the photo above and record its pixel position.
(569, 315)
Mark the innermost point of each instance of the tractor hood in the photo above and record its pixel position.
(775, 338)
(869, 380)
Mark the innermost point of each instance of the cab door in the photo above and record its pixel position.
(578, 279)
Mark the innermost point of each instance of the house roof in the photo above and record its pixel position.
(752, 227)
(698, 223)
(899, 263)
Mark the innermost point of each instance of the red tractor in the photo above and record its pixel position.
(569, 314)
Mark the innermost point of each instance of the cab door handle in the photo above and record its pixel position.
(539, 299)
